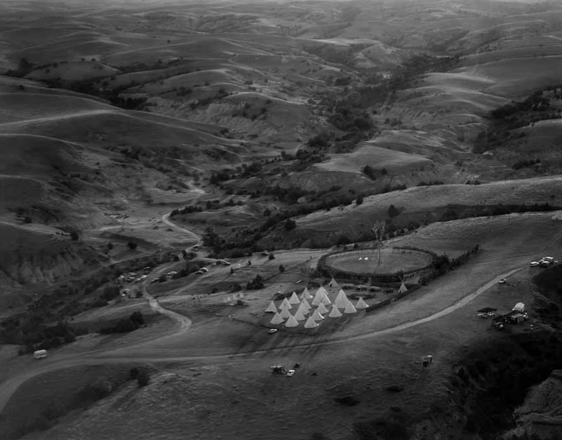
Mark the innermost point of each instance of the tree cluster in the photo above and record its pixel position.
(127, 325)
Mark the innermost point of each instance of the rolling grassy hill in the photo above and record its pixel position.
(428, 204)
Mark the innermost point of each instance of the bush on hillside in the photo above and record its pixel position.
(393, 211)
(256, 283)
(143, 378)
(110, 292)
(290, 224)
(127, 325)
(134, 372)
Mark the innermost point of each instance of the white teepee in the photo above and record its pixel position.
(277, 319)
(318, 296)
(291, 322)
(317, 316)
(303, 309)
(325, 299)
(334, 313)
(294, 299)
(306, 294)
(286, 304)
(310, 323)
(341, 299)
(361, 304)
(349, 308)
(306, 305)
(271, 308)
(333, 283)
(285, 313)
(403, 288)
(322, 308)
(299, 315)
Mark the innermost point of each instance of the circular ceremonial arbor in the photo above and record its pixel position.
(388, 265)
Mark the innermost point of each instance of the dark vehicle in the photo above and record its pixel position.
(278, 369)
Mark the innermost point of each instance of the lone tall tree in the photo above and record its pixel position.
(379, 228)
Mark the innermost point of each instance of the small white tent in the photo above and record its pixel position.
(341, 299)
(285, 313)
(361, 304)
(519, 307)
(306, 294)
(271, 308)
(277, 319)
(285, 304)
(310, 323)
(317, 316)
(322, 308)
(305, 304)
(349, 308)
(403, 288)
(325, 299)
(334, 313)
(299, 315)
(294, 299)
(291, 322)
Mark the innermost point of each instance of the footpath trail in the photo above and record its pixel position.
(168, 222)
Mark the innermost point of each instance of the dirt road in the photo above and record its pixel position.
(10, 386)
(167, 221)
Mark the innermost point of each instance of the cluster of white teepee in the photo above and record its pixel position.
(305, 304)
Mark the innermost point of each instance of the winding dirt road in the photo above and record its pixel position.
(10, 386)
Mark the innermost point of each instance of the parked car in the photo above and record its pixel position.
(534, 264)
(290, 373)
(272, 330)
(204, 270)
(199, 272)
(503, 281)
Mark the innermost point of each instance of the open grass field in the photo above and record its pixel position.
(22, 107)
(517, 77)
(367, 261)
(79, 71)
(420, 201)
(376, 157)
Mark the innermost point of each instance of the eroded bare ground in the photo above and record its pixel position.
(167, 170)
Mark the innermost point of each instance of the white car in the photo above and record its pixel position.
(272, 330)
(204, 269)
(503, 281)
(534, 263)
(290, 373)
